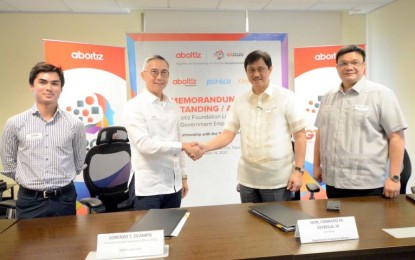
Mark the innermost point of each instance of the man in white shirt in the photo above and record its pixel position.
(158, 161)
(267, 117)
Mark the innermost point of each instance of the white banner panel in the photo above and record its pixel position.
(206, 73)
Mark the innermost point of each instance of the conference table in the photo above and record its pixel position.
(224, 232)
(5, 224)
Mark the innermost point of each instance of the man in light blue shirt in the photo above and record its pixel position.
(43, 149)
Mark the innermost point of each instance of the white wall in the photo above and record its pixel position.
(391, 58)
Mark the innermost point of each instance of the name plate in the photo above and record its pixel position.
(130, 244)
(327, 229)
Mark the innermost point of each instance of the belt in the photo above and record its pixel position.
(47, 193)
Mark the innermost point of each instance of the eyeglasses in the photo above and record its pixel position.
(260, 70)
(354, 64)
(156, 73)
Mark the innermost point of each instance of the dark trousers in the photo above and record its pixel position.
(333, 192)
(263, 195)
(163, 201)
(33, 204)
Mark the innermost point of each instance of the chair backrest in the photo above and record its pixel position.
(406, 172)
(108, 167)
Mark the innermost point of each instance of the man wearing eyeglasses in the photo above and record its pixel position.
(152, 122)
(359, 145)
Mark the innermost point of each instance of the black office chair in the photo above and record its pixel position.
(406, 172)
(108, 172)
(8, 205)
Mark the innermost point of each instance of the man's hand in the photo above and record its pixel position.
(317, 173)
(391, 189)
(194, 150)
(185, 188)
(295, 181)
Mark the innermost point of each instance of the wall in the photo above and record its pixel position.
(391, 41)
(21, 47)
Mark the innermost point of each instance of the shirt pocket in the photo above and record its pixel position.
(330, 114)
(359, 117)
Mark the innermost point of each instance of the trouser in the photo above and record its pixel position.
(162, 201)
(333, 192)
(263, 195)
(37, 204)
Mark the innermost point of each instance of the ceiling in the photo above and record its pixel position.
(126, 6)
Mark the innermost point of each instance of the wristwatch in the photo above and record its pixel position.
(395, 178)
(184, 177)
(300, 169)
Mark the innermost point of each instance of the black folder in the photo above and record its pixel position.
(277, 215)
(159, 219)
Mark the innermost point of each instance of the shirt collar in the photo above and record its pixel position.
(35, 111)
(358, 87)
(269, 91)
(151, 98)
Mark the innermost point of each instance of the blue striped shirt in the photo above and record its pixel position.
(42, 155)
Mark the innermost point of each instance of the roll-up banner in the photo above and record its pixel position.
(95, 88)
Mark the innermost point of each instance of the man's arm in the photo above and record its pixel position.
(219, 141)
(300, 145)
(8, 151)
(396, 154)
(317, 173)
(79, 148)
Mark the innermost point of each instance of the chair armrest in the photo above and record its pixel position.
(312, 187)
(9, 204)
(92, 203)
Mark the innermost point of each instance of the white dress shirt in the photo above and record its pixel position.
(266, 123)
(153, 128)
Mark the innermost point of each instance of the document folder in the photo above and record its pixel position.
(159, 219)
(280, 216)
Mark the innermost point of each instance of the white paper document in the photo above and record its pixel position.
(93, 255)
(404, 232)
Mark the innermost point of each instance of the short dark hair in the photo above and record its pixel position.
(257, 55)
(350, 48)
(45, 67)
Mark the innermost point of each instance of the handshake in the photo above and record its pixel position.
(194, 150)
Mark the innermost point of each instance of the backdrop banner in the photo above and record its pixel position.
(315, 74)
(94, 90)
(206, 73)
